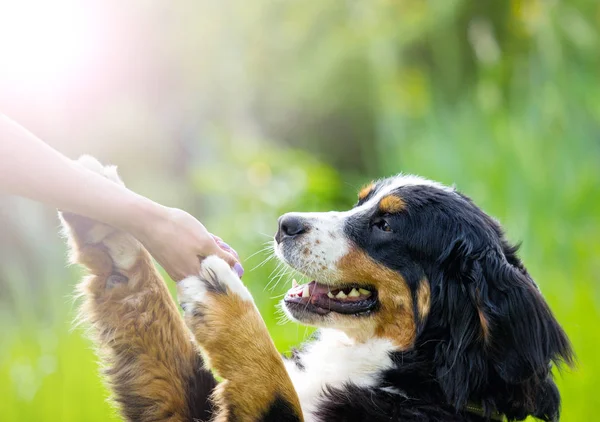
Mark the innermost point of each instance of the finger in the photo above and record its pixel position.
(230, 259)
(176, 276)
(228, 248)
(182, 271)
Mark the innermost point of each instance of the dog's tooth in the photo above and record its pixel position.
(364, 292)
(330, 295)
(294, 284)
(306, 291)
(353, 293)
(341, 295)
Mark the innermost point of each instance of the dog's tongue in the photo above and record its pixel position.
(313, 292)
(324, 300)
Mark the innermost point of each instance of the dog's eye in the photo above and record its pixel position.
(382, 225)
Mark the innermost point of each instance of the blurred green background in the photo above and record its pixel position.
(238, 111)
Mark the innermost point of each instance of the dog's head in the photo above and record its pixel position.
(418, 263)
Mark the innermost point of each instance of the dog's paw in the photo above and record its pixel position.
(108, 171)
(90, 239)
(216, 278)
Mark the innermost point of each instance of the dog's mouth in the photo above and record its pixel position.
(323, 299)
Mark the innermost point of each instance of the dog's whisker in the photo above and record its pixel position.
(275, 270)
(260, 251)
(279, 268)
(279, 296)
(282, 272)
(263, 262)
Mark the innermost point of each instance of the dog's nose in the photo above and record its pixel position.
(289, 226)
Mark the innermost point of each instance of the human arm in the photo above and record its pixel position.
(31, 168)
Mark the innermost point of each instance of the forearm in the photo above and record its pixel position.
(31, 168)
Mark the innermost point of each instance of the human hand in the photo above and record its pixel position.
(178, 242)
(226, 248)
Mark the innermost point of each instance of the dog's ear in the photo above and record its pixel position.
(524, 337)
(461, 366)
(500, 329)
(546, 401)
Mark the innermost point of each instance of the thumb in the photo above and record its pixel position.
(231, 260)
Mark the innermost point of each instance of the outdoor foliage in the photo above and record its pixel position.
(238, 111)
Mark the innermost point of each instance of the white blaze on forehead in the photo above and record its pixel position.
(389, 185)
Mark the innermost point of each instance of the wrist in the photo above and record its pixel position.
(143, 215)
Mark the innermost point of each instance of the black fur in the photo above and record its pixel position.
(280, 411)
(473, 273)
(200, 387)
(488, 340)
(354, 404)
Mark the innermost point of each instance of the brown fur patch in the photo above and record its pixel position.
(391, 204)
(395, 318)
(365, 191)
(142, 340)
(239, 348)
(423, 299)
(485, 329)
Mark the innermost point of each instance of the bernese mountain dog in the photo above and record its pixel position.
(425, 313)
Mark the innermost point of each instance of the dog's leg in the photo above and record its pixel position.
(228, 327)
(147, 352)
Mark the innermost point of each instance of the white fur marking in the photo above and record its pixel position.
(225, 275)
(191, 289)
(335, 360)
(412, 180)
(326, 243)
(394, 390)
(91, 163)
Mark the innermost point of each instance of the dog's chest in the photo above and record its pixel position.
(333, 361)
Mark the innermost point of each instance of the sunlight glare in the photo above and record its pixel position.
(42, 43)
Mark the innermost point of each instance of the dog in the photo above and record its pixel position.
(425, 313)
